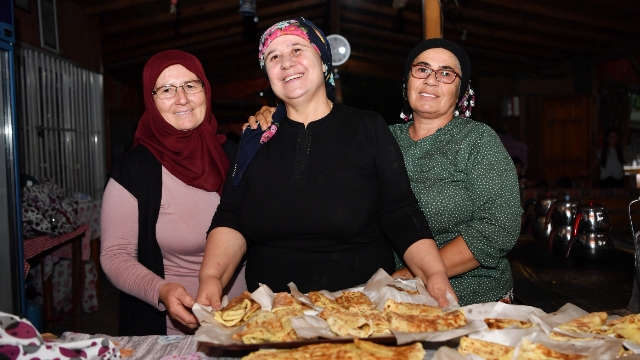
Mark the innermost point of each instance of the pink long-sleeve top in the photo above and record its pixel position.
(181, 230)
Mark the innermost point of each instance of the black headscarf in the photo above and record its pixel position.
(462, 105)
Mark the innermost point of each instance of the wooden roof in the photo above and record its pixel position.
(534, 38)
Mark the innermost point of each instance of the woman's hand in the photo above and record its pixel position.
(178, 302)
(424, 261)
(210, 292)
(403, 273)
(262, 117)
(438, 285)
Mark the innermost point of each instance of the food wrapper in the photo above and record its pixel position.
(606, 348)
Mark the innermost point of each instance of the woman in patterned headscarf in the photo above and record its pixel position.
(321, 198)
(460, 172)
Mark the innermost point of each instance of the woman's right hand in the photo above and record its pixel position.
(210, 292)
(262, 117)
(178, 303)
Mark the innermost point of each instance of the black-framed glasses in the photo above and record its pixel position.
(169, 91)
(444, 76)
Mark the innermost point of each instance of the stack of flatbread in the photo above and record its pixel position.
(274, 325)
(351, 314)
(408, 317)
(359, 349)
(528, 351)
(238, 311)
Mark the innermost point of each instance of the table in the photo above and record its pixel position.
(74, 245)
(548, 281)
(169, 347)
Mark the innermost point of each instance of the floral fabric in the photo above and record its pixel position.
(19, 340)
(46, 210)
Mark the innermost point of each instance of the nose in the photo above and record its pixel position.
(431, 79)
(181, 96)
(287, 61)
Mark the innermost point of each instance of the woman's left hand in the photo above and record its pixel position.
(178, 303)
(438, 285)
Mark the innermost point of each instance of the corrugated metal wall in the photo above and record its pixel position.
(61, 122)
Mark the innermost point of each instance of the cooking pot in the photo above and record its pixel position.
(541, 230)
(591, 218)
(541, 205)
(592, 245)
(559, 238)
(562, 212)
(539, 227)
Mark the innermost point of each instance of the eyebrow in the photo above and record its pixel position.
(290, 45)
(445, 67)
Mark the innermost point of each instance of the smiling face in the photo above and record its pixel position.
(295, 69)
(428, 98)
(183, 111)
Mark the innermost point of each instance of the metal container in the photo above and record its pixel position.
(591, 245)
(591, 218)
(541, 230)
(562, 213)
(559, 238)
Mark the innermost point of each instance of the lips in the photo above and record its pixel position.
(292, 77)
(183, 112)
(427, 95)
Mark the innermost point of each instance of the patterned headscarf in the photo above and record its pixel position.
(305, 29)
(466, 98)
(253, 139)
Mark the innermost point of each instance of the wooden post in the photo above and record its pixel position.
(431, 19)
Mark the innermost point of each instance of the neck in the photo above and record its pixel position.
(306, 112)
(425, 126)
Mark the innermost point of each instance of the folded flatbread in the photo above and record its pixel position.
(626, 327)
(411, 309)
(500, 323)
(320, 300)
(378, 320)
(534, 351)
(426, 323)
(586, 323)
(345, 322)
(359, 349)
(264, 327)
(238, 311)
(355, 300)
(485, 349)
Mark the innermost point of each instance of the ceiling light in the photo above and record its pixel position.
(248, 8)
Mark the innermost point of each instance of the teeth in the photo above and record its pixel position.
(293, 77)
(183, 112)
(428, 95)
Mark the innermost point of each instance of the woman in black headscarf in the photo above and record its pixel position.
(314, 199)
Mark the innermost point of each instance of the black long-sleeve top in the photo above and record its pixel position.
(322, 206)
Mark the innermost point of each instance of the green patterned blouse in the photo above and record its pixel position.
(466, 184)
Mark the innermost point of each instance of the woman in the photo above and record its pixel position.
(459, 170)
(159, 200)
(461, 174)
(611, 161)
(314, 204)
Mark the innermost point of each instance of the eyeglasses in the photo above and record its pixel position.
(442, 75)
(169, 91)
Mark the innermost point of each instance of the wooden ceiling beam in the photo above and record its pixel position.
(530, 24)
(573, 16)
(117, 5)
(379, 22)
(500, 34)
(383, 35)
(199, 10)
